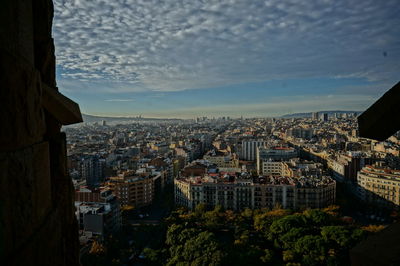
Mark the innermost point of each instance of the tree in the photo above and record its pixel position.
(262, 222)
(373, 228)
(214, 219)
(288, 239)
(312, 248)
(332, 210)
(200, 209)
(230, 216)
(152, 256)
(286, 223)
(317, 217)
(243, 239)
(288, 255)
(267, 256)
(202, 249)
(97, 248)
(177, 238)
(247, 214)
(342, 236)
(173, 234)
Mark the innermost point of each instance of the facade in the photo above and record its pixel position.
(92, 170)
(97, 212)
(222, 160)
(346, 166)
(304, 133)
(134, 189)
(274, 168)
(276, 153)
(249, 149)
(379, 185)
(268, 157)
(237, 192)
(325, 117)
(314, 192)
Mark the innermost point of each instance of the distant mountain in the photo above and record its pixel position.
(93, 118)
(309, 114)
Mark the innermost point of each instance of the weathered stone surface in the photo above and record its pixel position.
(45, 61)
(37, 221)
(21, 111)
(62, 192)
(16, 28)
(24, 192)
(381, 120)
(63, 109)
(43, 43)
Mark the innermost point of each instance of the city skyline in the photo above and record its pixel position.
(226, 180)
(183, 59)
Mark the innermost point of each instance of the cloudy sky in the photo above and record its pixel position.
(186, 58)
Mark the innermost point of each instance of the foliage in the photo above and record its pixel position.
(312, 248)
(153, 257)
(373, 228)
(194, 247)
(97, 248)
(251, 237)
(317, 217)
(125, 208)
(255, 237)
(332, 210)
(342, 236)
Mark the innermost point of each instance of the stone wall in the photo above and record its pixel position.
(37, 221)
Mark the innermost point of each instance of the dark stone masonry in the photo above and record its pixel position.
(37, 221)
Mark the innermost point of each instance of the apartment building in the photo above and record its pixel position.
(379, 185)
(274, 168)
(97, 211)
(221, 159)
(345, 166)
(134, 189)
(269, 160)
(239, 191)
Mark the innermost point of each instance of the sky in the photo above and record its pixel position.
(189, 58)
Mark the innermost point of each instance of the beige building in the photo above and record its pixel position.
(275, 168)
(222, 160)
(379, 185)
(238, 191)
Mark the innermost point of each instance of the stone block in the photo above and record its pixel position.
(62, 109)
(24, 193)
(43, 42)
(16, 29)
(381, 120)
(45, 61)
(21, 112)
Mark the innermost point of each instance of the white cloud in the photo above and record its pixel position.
(133, 45)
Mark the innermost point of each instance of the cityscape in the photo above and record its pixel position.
(138, 174)
(199, 133)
